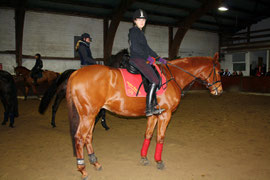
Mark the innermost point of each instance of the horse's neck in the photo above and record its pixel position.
(193, 70)
(24, 71)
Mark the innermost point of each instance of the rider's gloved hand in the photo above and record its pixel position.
(151, 60)
(163, 61)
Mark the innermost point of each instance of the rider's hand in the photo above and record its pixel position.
(151, 60)
(163, 61)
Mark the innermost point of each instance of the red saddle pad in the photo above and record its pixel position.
(133, 81)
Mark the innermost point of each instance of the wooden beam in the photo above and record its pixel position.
(186, 24)
(170, 40)
(19, 23)
(105, 32)
(116, 18)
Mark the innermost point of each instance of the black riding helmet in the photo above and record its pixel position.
(139, 13)
(38, 56)
(85, 35)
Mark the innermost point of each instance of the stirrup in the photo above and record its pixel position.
(158, 111)
(154, 112)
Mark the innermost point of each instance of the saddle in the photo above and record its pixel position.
(134, 80)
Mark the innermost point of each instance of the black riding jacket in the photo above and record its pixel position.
(138, 44)
(85, 54)
(38, 65)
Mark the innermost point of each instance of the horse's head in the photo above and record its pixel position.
(210, 76)
(20, 70)
(204, 70)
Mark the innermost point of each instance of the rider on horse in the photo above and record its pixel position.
(140, 55)
(36, 71)
(83, 47)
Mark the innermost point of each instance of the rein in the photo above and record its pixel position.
(204, 82)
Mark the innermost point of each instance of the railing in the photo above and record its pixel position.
(246, 40)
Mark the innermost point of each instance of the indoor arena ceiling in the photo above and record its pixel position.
(240, 15)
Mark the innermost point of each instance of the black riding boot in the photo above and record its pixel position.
(150, 104)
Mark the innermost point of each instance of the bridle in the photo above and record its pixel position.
(196, 79)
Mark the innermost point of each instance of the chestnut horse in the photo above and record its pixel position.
(94, 87)
(47, 77)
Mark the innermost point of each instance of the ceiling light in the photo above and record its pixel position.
(223, 7)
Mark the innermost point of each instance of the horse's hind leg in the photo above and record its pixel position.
(90, 150)
(11, 117)
(5, 118)
(79, 144)
(151, 123)
(83, 138)
(6, 113)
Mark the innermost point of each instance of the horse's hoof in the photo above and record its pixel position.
(84, 177)
(11, 125)
(160, 165)
(144, 161)
(98, 166)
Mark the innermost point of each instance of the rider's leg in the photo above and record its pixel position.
(150, 106)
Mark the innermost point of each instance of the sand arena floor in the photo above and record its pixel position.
(225, 138)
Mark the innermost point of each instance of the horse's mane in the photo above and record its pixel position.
(123, 51)
(22, 67)
(197, 60)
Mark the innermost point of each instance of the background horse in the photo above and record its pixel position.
(58, 87)
(8, 96)
(47, 77)
(85, 97)
(118, 60)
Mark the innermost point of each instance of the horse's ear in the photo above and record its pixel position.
(216, 57)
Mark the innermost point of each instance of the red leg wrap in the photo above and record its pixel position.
(145, 147)
(158, 152)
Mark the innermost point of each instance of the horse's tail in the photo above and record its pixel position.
(73, 116)
(50, 92)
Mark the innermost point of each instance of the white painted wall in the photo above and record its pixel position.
(7, 38)
(198, 43)
(53, 35)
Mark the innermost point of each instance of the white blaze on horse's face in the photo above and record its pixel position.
(215, 86)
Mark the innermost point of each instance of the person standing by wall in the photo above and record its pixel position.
(83, 48)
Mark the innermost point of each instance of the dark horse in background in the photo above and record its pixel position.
(8, 96)
(58, 87)
(47, 77)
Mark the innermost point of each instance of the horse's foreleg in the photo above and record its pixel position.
(102, 115)
(163, 121)
(26, 92)
(11, 117)
(35, 91)
(151, 123)
(89, 147)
